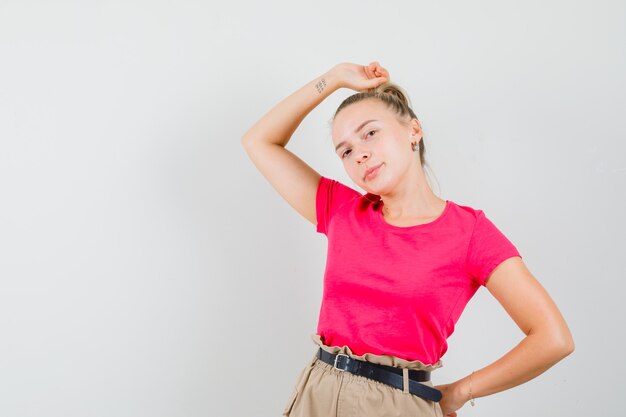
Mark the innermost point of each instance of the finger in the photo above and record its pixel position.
(381, 72)
(369, 73)
(371, 70)
(375, 82)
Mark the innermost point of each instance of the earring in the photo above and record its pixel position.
(414, 146)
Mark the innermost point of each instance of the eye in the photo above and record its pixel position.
(370, 134)
(346, 153)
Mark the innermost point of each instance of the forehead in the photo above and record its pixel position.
(352, 116)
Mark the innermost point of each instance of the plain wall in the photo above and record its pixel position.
(147, 269)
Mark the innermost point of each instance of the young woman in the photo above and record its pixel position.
(402, 263)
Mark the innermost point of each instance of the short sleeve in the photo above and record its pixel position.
(331, 196)
(488, 247)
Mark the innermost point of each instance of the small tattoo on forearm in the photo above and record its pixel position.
(320, 86)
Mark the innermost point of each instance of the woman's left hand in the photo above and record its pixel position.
(450, 400)
(360, 77)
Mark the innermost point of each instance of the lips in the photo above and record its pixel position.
(372, 172)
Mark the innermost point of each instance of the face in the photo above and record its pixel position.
(375, 145)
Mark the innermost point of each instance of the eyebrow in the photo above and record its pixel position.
(355, 131)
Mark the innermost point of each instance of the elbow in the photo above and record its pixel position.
(566, 340)
(555, 343)
(251, 142)
(245, 141)
(568, 345)
(248, 143)
(563, 344)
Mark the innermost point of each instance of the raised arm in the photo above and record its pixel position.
(547, 341)
(265, 142)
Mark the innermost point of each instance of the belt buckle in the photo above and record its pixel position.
(337, 358)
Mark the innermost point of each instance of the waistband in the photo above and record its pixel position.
(386, 360)
(409, 381)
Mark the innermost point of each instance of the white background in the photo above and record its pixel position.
(147, 269)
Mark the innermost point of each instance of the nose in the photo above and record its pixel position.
(362, 156)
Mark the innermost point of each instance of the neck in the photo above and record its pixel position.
(413, 202)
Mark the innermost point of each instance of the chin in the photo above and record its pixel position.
(379, 185)
(375, 188)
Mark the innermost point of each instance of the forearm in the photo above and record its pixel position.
(265, 142)
(278, 125)
(535, 354)
(547, 341)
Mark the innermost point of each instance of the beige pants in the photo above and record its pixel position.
(323, 391)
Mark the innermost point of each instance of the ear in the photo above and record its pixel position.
(416, 129)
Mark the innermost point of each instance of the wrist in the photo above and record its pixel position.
(462, 390)
(331, 80)
(466, 389)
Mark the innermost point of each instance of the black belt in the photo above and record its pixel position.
(386, 374)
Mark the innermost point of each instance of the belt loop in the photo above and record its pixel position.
(405, 380)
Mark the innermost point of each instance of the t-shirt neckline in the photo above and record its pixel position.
(379, 216)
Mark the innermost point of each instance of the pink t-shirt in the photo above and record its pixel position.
(400, 290)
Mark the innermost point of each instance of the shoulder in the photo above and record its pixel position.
(465, 214)
(467, 211)
(337, 200)
(330, 189)
(338, 194)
